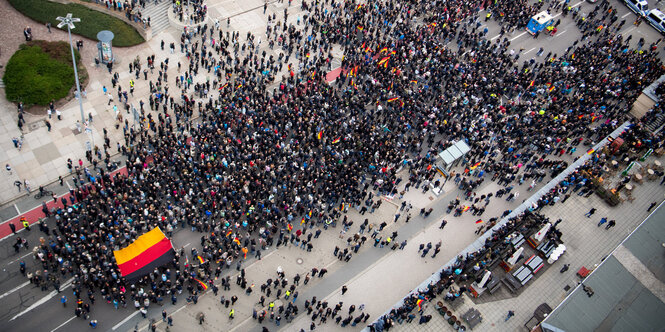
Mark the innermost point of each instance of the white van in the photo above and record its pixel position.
(656, 19)
(640, 7)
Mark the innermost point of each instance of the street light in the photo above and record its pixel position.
(68, 20)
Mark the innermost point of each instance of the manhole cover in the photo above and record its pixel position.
(33, 126)
(567, 288)
(299, 261)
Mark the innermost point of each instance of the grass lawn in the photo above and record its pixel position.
(92, 21)
(41, 71)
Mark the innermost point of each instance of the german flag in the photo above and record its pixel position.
(320, 135)
(205, 287)
(385, 49)
(237, 241)
(147, 252)
(223, 86)
(551, 88)
(479, 221)
(335, 141)
(393, 99)
(302, 221)
(420, 304)
(384, 61)
(229, 233)
(475, 166)
(289, 227)
(591, 151)
(201, 260)
(359, 6)
(466, 208)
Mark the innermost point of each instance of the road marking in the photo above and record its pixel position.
(626, 14)
(15, 289)
(43, 299)
(573, 6)
(20, 258)
(331, 263)
(520, 35)
(529, 50)
(36, 304)
(187, 245)
(157, 322)
(17, 210)
(116, 326)
(63, 324)
(561, 33)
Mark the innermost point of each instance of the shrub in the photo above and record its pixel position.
(92, 21)
(41, 71)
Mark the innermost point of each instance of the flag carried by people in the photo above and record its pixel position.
(384, 62)
(289, 227)
(420, 304)
(320, 135)
(466, 208)
(302, 221)
(201, 260)
(479, 221)
(474, 166)
(335, 141)
(149, 251)
(203, 284)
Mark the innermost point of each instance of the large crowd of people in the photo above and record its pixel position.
(265, 151)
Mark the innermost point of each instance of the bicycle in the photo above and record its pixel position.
(44, 193)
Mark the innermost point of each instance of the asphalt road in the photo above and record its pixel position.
(25, 307)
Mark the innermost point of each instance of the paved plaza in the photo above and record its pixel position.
(376, 277)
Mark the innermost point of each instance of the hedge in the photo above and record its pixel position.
(92, 21)
(41, 71)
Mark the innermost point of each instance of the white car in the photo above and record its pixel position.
(640, 7)
(656, 19)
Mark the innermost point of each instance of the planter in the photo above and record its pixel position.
(439, 305)
(462, 328)
(452, 320)
(457, 325)
(447, 315)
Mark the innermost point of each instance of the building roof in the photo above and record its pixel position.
(628, 287)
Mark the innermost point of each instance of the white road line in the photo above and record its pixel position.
(520, 35)
(187, 245)
(63, 324)
(561, 33)
(626, 14)
(628, 30)
(116, 326)
(529, 50)
(15, 289)
(161, 321)
(573, 6)
(17, 210)
(20, 258)
(43, 299)
(36, 304)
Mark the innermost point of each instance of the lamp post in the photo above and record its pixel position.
(68, 20)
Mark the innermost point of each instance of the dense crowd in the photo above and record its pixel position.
(264, 150)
